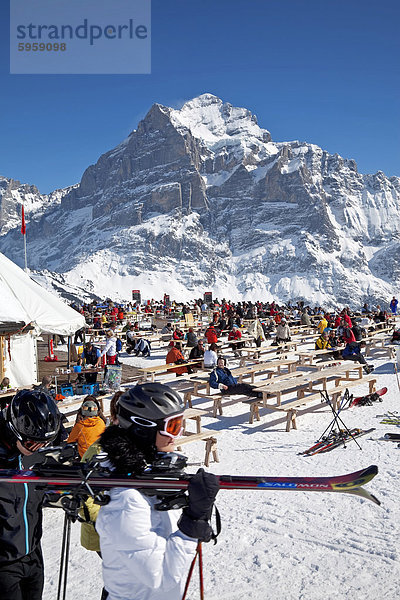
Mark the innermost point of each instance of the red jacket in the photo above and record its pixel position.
(211, 335)
(349, 337)
(235, 334)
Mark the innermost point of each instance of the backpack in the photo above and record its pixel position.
(118, 345)
(396, 336)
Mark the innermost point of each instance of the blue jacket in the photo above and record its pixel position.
(351, 349)
(223, 376)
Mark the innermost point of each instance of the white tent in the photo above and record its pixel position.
(22, 300)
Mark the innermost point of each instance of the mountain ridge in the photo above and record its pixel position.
(202, 197)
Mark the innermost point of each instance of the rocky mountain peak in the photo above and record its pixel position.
(200, 197)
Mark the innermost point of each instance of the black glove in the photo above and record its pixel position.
(202, 489)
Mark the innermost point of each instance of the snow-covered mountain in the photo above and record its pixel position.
(202, 198)
(13, 194)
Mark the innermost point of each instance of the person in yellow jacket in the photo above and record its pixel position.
(323, 342)
(323, 324)
(89, 425)
(89, 536)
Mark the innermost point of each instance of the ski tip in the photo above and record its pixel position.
(371, 470)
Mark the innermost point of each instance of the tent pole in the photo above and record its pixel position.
(68, 357)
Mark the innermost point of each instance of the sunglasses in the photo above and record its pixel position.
(172, 426)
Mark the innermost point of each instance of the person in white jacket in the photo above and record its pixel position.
(147, 552)
(110, 349)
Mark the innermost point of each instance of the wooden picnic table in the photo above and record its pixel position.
(308, 381)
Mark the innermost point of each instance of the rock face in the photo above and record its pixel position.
(201, 197)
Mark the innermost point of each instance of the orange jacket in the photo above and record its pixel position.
(86, 432)
(173, 355)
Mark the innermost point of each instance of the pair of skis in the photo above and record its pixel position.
(70, 479)
(369, 398)
(334, 440)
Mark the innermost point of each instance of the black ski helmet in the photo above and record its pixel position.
(143, 409)
(33, 415)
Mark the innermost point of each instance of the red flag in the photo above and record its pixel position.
(23, 226)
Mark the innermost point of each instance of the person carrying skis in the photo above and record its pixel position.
(147, 552)
(30, 422)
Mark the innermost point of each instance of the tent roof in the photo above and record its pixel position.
(22, 299)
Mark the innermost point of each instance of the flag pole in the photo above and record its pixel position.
(26, 262)
(23, 231)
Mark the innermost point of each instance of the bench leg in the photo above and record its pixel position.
(214, 450)
(291, 419)
(217, 407)
(372, 386)
(254, 412)
(336, 401)
(188, 399)
(211, 447)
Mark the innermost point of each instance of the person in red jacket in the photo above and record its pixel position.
(235, 335)
(178, 334)
(211, 335)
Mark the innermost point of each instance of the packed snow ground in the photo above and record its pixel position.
(277, 545)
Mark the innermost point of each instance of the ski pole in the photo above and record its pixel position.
(338, 419)
(65, 545)
(191, 571)
(397, 375)
(200, 553)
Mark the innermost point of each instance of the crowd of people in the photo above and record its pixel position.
(145, 552)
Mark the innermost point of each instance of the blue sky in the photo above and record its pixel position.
(313, 70)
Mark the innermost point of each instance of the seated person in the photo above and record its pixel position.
(324, 342)
(222, 379)
(175, 356)
(197, 352)
(191, 338)
(352, 351)
(5, 384)
(211, 357)
(178, 334)
(90, 356)
(131, 339)
(211, 334)
(282, 332)
(166, 332)
(235, 334)
(142, 347)
(89, 425)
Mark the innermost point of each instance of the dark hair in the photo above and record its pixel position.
(222, 358)
(113, 405)
(213, 346)
(124, 453)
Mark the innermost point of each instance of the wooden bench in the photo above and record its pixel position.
(293, 406)
(162, 369)
(203, 381)
(210, 443)
(309, 380)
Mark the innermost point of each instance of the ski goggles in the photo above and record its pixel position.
(170, 426)
(33, 445)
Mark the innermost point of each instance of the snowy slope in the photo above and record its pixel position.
(284, 545)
